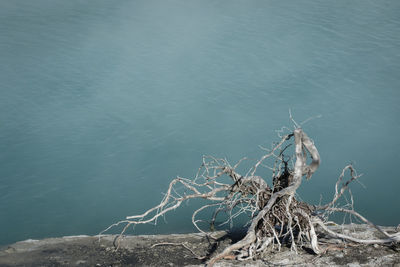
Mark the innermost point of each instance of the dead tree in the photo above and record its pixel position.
(277, 218)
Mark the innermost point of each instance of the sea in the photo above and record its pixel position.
(103, 103)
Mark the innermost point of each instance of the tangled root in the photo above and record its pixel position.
(277, 218)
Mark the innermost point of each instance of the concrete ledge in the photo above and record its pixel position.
(137, 251)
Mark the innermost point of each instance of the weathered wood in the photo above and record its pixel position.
(277, 217)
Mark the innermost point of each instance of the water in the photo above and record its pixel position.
(101, 104)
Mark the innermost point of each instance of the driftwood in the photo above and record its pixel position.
(276, 217)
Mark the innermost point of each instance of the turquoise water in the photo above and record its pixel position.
(103, 103)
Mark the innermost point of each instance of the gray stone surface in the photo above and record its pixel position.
(138, 251)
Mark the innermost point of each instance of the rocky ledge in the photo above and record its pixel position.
(186, 249)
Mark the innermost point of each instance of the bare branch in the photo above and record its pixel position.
(278, 216)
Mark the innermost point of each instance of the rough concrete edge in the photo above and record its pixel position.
(33, 244)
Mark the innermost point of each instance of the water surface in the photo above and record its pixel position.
(103, 103)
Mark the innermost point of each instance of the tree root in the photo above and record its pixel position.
(277, 218)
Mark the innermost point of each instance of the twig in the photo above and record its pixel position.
(179, 244)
